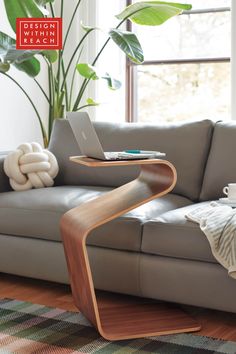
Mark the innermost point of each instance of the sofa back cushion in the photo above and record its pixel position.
(4, 180)
(186, 146)
(221, 165)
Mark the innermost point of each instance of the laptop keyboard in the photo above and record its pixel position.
(119, 156)
(112, 155)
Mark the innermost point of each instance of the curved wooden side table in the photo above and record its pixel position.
(120, 317)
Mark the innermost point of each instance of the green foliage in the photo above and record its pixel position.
(87, 28)
(42, 5)
(43, 2)
(91, 102)
(4, 67)
(112, 83)
(23, 60)
(21, 8)
(129, 44)
(31, 67)
(90, 72)
(152, 13)
(6, 43)
(51, 55)
(87, 71)
(60, 92)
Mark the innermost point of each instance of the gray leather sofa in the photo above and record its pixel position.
(152, 251)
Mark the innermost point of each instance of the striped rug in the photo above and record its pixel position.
(26, 328)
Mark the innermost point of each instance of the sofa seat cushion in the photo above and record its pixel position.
(172, 235)
(36, 213)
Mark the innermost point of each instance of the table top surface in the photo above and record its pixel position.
(90, 162)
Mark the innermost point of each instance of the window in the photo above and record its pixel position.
(186, 73)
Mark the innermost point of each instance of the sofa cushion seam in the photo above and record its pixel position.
(34, 210)
(159, 224)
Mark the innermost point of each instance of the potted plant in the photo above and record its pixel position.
(59, 95)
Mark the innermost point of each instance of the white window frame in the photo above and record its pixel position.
(131, 68)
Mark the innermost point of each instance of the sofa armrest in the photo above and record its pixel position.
(4, 181)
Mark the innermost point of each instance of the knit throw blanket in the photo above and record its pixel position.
(218, 222)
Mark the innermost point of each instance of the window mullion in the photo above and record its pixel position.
(184, 61)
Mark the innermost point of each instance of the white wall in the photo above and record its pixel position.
(113, 61)
(18, 121)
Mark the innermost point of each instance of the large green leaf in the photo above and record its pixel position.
(129, 44)
(152, 13)
(21, 8)
(51, 55)
(87, 71)
(14, 55)
(22, 59)
(6, 43)
(31, 67)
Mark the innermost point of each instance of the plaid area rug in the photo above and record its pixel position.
(26, 328)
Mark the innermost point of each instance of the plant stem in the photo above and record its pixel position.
(73, 55)
(52, 10)
(85, 106)
(50, 113)
(105, 44)
(66, 90)
(86, 81)
(53, 98)
(45, 139)
(81, 92)
(59, 60)
(52, 89)
(73, 79)
(71, 88)
(42, 90)
(70, 24)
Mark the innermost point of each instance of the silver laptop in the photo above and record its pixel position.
(90, 145)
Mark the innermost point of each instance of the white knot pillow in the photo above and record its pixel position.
(30, 166)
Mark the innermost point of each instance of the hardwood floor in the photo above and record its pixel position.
(215, 324)
(36, 291)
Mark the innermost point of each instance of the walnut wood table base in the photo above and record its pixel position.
(116, 316)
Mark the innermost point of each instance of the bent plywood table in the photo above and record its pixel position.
(119, 316)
